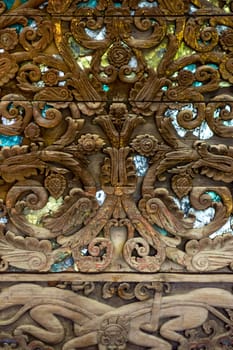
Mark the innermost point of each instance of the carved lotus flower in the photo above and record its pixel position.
(145, 145)
(51, 77)
(90, 143)
(118, 55)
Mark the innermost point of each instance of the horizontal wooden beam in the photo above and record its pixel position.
(118, 277)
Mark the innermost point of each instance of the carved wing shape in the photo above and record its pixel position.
(208, 254)
(25, 253)
(164, 213)
(165, 219)
(75, 211)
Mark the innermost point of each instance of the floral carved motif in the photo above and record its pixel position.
(116, 136)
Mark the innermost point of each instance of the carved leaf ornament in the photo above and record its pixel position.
(116, 170)
(116, 136)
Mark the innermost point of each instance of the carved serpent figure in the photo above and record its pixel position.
(47, 304)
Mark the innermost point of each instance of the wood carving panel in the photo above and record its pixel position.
(116, 133)
(145, 315)
(116, 170)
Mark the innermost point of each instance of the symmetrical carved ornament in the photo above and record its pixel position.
(151, 315)
(116, 131)
(116, 158)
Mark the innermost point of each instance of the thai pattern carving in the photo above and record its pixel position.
(113, 115)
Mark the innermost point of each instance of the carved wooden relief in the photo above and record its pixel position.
(116, 170)
(126, 315)
(116, 127)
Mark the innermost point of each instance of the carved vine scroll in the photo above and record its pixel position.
(116, 136)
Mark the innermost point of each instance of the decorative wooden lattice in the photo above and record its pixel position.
(117, 157)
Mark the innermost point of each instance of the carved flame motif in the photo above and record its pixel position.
(116, 131)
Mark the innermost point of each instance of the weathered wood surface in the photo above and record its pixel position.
(113, 315)
(119, 277)
(119, 118)
(116, 169)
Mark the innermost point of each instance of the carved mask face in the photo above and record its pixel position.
(112, 338)
(118, 112)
